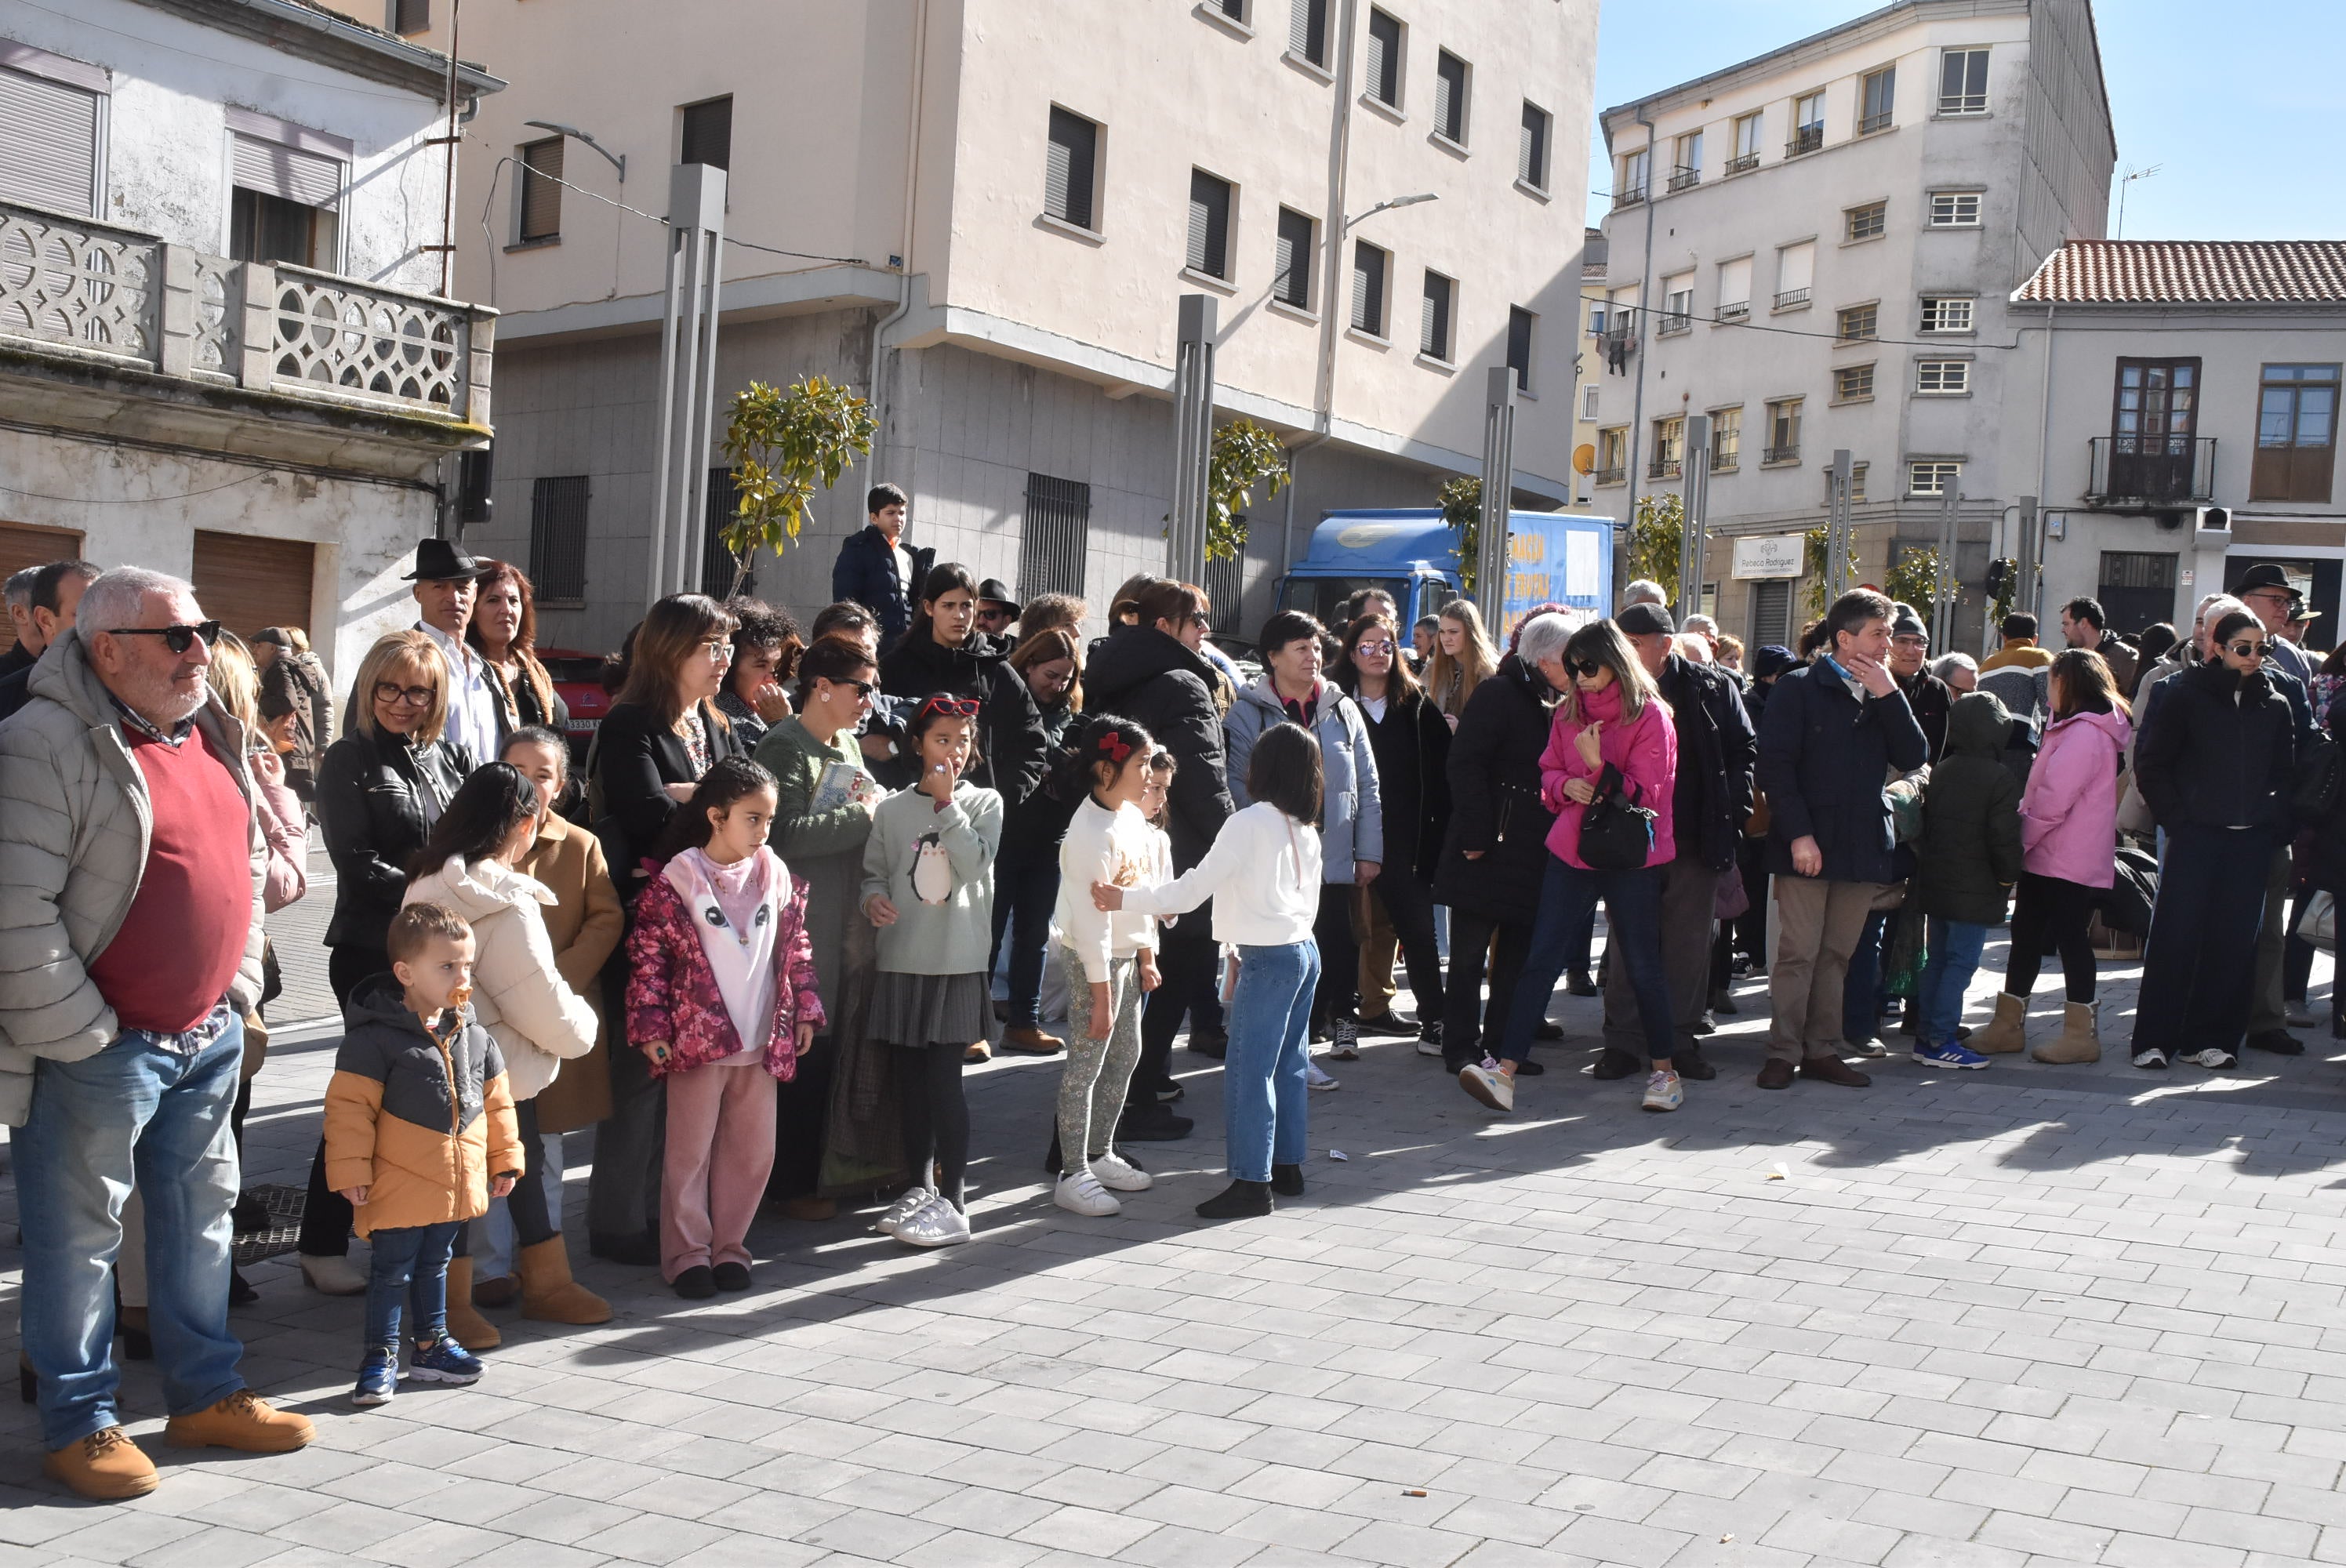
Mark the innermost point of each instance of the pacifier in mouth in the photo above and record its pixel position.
(460, 995)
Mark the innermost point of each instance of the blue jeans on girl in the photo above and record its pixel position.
(1263, 1092)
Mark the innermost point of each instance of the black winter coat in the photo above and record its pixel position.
(1033, 829)
(864, 573)
(1412, 748)
(371, 792)
(1009, 726)
(1932, 699)
(1717, 752)
(1494, 798)
(1169, 689)
(2217, 752)
(1824, 758)
(1970, 849)
(632, 762)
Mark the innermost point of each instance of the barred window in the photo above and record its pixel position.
(1051, 548)
(557, 538)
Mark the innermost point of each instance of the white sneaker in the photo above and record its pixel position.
(2154, 1059)
(914, 1199)
(332, 1276)
(1664, 1093)
(1079, 1192)
(1115, 1175)
(938, 1224)
(1488, 1085)
(2213, 1057)
(1314, 1078)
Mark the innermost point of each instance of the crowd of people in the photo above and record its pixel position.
(754, 942)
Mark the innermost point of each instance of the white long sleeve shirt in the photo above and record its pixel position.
(1116, 846)
(1262, 873)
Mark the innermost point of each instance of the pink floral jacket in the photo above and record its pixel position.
(672, 992)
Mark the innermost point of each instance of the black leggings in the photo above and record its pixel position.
(326, 1217)
(1409, 904)
(2048, 906)
(533, 1219)
(936, 1116)
(1340, 954)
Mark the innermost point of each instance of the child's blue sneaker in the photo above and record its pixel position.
(443, 1362)
(1948, 1054)
(378, 1377)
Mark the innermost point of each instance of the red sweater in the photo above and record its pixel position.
(184, 934)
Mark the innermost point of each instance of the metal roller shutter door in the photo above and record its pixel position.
(24, 545)
(247, 584)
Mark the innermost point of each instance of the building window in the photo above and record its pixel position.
(1385, 58)
(283, 206)
(1070, 170)
(1943, 378)
(1053, 544)
(1678, 305)
(1808, 125)
(1725, 438)
(1963, 82)
(1669, 448)
(1954, 210)
(50, 157)
(1519, 345)
(709, 133)
(540, 191)
(1291, 281)
(1686, 161)
(410, 16)
(1867, 222)
(1530, 152)
(1856, 483)
(1307, 30)
(1796, 269)
(1612, 455)
(1370, 266)
(1210, 224)
(1434, 321)
(1783, 431)
(2297, 431)
(1234, 9)
(1858, 323)
(1588, 403)
(1932, 478)
(557, 538)
(1942, 314)
(1630, 189)
(1852, 383)
(1747, 144)
(1874, 100)
(1450, 97)
(1734, 289)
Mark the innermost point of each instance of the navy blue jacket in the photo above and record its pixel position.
(1824, 758)
(866, 573)
(1716, 747)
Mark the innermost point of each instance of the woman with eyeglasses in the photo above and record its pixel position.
(2213, 761)
(663, 732)
(381, 787)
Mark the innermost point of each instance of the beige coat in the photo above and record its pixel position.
(586, 926)
(528, 1009)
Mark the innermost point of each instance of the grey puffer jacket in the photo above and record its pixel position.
(1351, 806)
(74, 829)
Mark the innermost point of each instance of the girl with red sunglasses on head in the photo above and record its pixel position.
(928, 886)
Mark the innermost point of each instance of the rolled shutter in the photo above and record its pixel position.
(48, 143)
(289, 173)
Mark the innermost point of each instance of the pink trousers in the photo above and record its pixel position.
(720, 1150)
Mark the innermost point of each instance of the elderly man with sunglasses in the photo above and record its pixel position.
(129, 954)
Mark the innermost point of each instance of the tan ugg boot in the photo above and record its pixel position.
(465, 1324)
(2078, 1041)
(2008, 1032)
(548, 1294)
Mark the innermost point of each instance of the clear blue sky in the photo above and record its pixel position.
(2239, 103)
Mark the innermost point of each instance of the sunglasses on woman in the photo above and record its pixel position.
(179, 639)
(2246, 648)
(1373, 647)
(1585, 668)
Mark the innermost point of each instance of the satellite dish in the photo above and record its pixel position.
(1584, 459)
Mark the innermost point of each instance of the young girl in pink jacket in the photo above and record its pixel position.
(722, 997)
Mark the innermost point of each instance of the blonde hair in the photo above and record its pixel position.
(1451, 681)
(397, 652)
(233, 676)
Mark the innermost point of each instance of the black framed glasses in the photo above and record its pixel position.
(863, 689)
(179, 639)
(414, 696)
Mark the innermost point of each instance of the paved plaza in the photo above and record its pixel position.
(2030, 1315)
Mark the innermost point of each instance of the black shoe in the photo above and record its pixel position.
(1388, 1023)
(1214, 1043)
(1723, 1001)
(2279, 1041)
(1287, 1181)
(642, 1249)
(1527, 1068)
(1167, 1091)
(240, 1292)
(1611, 1064)
(730, 1277)
(1693, 1068)
(697, 1283)
(250, 1217)
(137, 1345)
(1706, 1024)
(1151, 1124)
(1545, 1029)
(1577, 983)
(28, 1387)
(1240, 1200)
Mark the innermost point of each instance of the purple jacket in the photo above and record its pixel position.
(2069, 812)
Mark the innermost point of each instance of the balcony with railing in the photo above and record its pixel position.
(1630, 197)
(1663, 468)
(1614, 476)
(2149, 471)
(1791, 299)
(1725, 456)
(1673, 323)
(1790, 454)
(1684, 179)
(1805, 140)
(114, 297)
(1879, 121)
(1743, 163)
(1739, 310)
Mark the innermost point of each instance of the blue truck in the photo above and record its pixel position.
(1409, 552)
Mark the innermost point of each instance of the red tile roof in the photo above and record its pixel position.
(2191, 271)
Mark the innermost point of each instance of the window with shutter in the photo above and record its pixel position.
(1307, 30)
(1291, 265)
(287, 188)
(48, 143)
(1369, 265)
(1433, 321)
(1210, 224)
(1450, 96)
(557, 538)
(410, 16)
(1519, 344)
(1531, 158)
(1067, 177)
(1385, 58)
(708, 133)
(541, 191)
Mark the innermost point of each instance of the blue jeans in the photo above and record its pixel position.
(1560, 939)
(1263, 1092)
(1953, 959)
(1024, 896)
(410, 1262)
(135, 1113)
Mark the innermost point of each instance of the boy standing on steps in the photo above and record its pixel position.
(418, 1087)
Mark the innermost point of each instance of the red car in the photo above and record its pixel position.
(578, 681)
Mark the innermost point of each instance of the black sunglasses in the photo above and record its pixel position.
(179, 639)
(1587, 666)
(863, 688)
(2244, 648)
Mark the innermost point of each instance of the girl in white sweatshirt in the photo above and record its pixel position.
(1100, 954)
(1263, 875)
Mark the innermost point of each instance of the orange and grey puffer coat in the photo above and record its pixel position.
(421, 1119)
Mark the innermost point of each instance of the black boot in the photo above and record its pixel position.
(1689, 1065)
(1287, 1181)
(1240, 1200)
(1151, 1123)
(1214, 1043)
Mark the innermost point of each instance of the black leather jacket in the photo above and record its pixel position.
(371, 794)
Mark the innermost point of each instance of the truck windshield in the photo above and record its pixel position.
(1324, 598)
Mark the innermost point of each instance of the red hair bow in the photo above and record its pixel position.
(1117, 747)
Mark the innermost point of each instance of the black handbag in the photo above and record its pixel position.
(2318, 783)
(1614, 835)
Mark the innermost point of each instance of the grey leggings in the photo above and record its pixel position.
(1092, 1087)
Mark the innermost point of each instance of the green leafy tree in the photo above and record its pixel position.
(1655, 537)
(1816, 554)
(784, 445)
(1461, 509)
(1914, 580)
(1244, 456)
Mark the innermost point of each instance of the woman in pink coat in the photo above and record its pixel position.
(2068, 835)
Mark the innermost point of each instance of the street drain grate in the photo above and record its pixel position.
(267, 1221)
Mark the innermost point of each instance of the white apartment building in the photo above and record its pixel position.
(995, 205)
(221, 354)
(2189, 421)
(1815, 247)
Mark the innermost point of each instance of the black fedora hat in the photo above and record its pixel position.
(2266, 576)
(998, 591)
(442, 561)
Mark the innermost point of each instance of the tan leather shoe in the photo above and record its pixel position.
(105, 1466)
(1834, 1069)
(243, 1422)
(1029, 1041)
(981, 1051)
